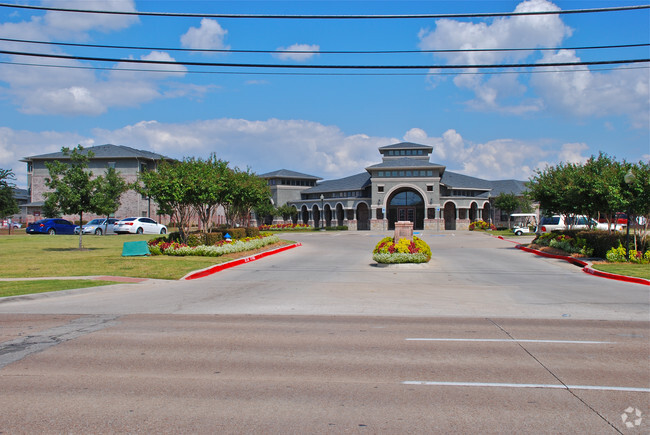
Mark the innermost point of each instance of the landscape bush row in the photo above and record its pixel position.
(300, 227)
(171, 246)
(592, 243)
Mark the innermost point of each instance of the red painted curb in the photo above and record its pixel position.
(233, 263)
(586, 268)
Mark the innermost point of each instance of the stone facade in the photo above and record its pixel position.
(405, 186)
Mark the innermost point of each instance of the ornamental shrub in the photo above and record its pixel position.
(252, 232)
(404, 251)
(617, 255)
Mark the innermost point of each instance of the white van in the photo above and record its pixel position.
(561, 222)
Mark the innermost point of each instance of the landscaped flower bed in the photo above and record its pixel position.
(481, 225)
(404, 251)
(160, 246)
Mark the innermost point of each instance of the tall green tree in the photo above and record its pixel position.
(247, 193)
(8, 203)
(109, 190)
(73, 186)
(508, 202)
(210, 180)
(171, 186)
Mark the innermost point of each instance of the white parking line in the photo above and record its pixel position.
(507, 385)
(509, 340)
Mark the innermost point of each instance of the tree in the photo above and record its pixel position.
(8, 203)
(247, 192)
(210, 179)
(73, 187)
(287, 212)
(109, 190)
(171, 187)
(508, 202)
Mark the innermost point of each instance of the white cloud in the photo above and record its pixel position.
(595, 94)
(209, 36)
(80, 92)
(78, 25)
(299, 145)
(510, 32)
(572, 153)
(298, 52)
(504, 92)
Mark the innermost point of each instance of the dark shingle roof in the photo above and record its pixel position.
(406, 145)
(460, 181)
(107, 151)
(406, 162)
(354, 182)
(517, 187)
(285, 173)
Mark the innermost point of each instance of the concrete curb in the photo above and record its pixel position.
(586, 267)
(219, 267)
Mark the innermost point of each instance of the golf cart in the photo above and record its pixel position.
(523, 222)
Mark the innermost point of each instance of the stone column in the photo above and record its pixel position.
(403, 230)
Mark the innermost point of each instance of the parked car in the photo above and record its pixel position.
(139, 225)
(558, 222)
(5, 224)
(51, 226)
(98, 226)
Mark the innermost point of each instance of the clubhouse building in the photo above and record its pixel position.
(405, 186)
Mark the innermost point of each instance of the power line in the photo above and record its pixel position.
(327, 17)
(280, 73)
(261, 65)
(207, 50)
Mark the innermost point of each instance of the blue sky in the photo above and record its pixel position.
(495, 125)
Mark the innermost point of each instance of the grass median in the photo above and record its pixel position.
(33, 256)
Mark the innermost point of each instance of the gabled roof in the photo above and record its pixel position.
(406, 162)
(460, 181)
(107, 151)
(285, 173)
(405, 146)
(353, 182)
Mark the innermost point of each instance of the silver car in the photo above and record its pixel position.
(98, 226)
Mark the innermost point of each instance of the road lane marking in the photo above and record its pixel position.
(510, 340)
(509, 385)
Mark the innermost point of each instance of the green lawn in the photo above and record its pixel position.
(637, 270)
(17, 288)
(28, 256)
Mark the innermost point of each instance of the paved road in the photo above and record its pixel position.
(318, 340)
(470, 274)
(324, 374)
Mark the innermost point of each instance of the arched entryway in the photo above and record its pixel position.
(363, 216)
(486, 212)
(315, 212)
(450, 216)
(406, 205)
(473, 212)
(305, 215)
(340, 217)
(328, 215)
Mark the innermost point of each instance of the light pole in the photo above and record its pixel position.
(629, 179)
(322, 211)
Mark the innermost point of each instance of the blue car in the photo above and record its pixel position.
(51, 226)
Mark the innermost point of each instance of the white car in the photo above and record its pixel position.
(139, 225)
